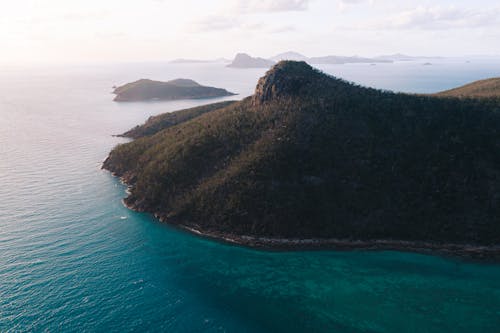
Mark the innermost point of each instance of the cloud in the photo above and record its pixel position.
(282, 29)
(250, 6)
(439, 18)
(215, 23)
(241, 17)
(352, 2)
(344, 4)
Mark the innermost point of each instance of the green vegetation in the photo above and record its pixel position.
(489, 88)
(163, 121)
(310, 155)
(143, 90)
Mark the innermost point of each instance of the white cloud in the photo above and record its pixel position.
(215, 23)
(438, 18)
(241, 14)
(248, 6)
(352, 2)
(344, 4)
(282, 29)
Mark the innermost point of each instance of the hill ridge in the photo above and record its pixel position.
(313, 156)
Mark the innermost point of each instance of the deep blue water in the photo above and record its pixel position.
(73, 259)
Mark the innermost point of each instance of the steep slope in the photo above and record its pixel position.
(312, 156)
(143, 90)
(157, 123)
(481, 89)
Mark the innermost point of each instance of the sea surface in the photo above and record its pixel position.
(74, 259)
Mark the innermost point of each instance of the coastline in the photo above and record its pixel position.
(463, 251)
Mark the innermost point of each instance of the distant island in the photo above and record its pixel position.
(145, 90)
(243, 60)
(346, 60)
(483, 88)
(290, 55)
(404, 57)
(312, 161)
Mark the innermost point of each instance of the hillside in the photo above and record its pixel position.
(312, 156)
(482, 88)
(143, 90)
(243, 60)
(157, 123)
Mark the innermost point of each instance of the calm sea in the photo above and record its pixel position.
(73, 259)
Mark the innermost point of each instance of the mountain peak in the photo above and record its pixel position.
(286, 78)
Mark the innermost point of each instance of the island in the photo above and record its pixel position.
(243, 60)
(345, 60)
(311, 161)
(404, 57)
(146, 90)
(290, 55)
(330, 59)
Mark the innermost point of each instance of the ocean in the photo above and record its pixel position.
(74, 259)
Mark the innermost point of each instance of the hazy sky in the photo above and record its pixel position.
(140, 30)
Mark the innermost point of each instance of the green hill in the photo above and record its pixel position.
(481, 89)
(157, 123)
(312, 156)
(143, 90)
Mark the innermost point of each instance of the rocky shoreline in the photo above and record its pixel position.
(464, 251)
(311, 161)
(467, 251)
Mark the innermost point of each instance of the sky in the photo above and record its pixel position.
(73, 31)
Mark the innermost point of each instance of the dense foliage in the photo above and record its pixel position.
(157, 123)
(310, 155)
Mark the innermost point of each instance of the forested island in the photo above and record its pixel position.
(312, 161)
(145, 90)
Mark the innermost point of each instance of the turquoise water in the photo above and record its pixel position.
(73, 259)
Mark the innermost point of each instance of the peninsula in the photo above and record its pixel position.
(145, 90)
(312, 161)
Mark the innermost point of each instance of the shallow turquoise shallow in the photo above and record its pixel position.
(73, 259)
